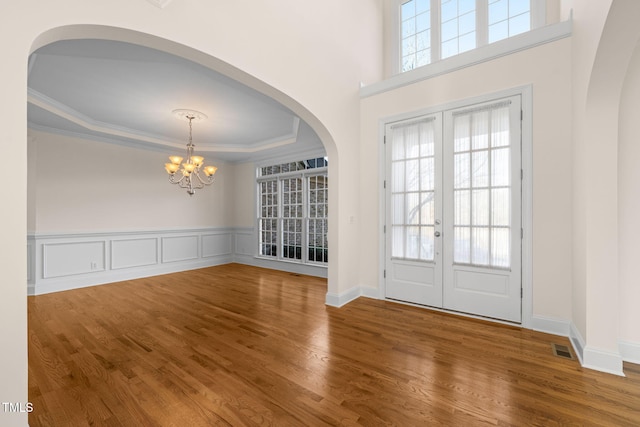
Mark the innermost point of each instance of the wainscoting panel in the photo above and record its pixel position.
(127, 253)
(179, 248)
(216, 245)
(63, 261)
(71, 258)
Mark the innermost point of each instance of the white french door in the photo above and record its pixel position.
(453, 210)
(414, 208)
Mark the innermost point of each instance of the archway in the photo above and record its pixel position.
(597, 186)
(323, 76)
(78, 32)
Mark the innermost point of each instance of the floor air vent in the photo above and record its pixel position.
(562, 351)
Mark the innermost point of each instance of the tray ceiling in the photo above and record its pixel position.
(124, 93)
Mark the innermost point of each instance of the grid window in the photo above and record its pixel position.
(431, 30)
(318, 213)
(416, 34)
(292, 218)
(268, 220)
(508, 18)
(457, 26)
(293, 211)
(320, 162)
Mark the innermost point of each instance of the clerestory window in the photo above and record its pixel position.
(431, 30)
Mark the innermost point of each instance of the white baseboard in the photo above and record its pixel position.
(369, 292)
(603, 360)
(577, 342)
(551, 325)
(338, 300)
(630, 351)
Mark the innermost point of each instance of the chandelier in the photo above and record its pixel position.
(189, 172)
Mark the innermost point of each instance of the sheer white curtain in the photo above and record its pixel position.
(413, 189)
(482, 187)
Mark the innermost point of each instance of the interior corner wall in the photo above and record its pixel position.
(588, 23)
(547, 69)
(629, 203)
(244, 195)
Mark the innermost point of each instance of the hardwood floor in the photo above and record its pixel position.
(238, 345)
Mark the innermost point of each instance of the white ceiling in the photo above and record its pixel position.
(123, 93)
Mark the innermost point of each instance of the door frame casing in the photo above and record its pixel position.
(526, 94)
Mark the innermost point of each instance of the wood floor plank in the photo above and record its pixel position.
(237, 345)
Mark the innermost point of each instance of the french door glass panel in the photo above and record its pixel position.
(482, 187)
(413, 190)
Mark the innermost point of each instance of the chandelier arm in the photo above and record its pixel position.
(173, 180)
(207, 180)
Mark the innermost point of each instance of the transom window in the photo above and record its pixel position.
(457, 26)
(293, 211)
(431, 30)
(508, 18)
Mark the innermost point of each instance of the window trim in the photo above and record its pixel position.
(537, 13)
(530, 39)
(278, 177)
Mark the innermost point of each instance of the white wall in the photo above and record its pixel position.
(547, 68)
(629, 202)
(83, 185)
(244, 195)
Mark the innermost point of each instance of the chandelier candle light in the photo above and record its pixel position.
(189, 176)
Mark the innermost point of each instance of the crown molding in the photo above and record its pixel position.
(110, 133)
(63, 111)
